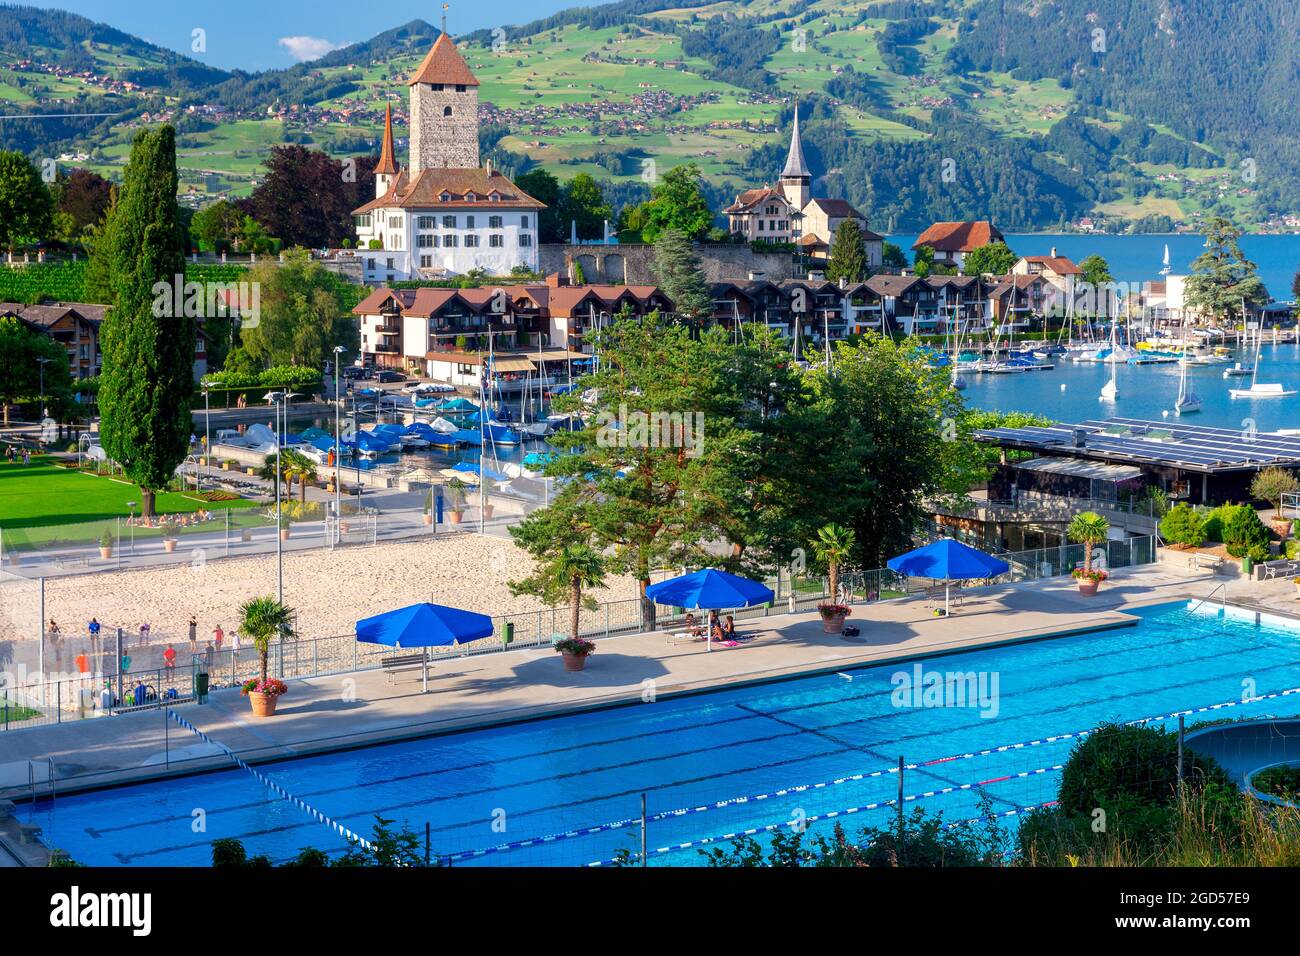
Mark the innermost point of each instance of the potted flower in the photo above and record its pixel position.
(263, 694)
(284, 522)
(455, 492)
(575, 651)
(1273, 485)
(106, 544)
(1088, 529)
(428, 507)
(260, 620)
(226, 465)
(487, 510)
(833, 546)
(170, 531)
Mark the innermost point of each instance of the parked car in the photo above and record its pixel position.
(353, 372)
(388, 375)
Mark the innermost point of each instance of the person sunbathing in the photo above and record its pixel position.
(693, 626)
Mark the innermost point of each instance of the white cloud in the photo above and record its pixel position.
(303, 49)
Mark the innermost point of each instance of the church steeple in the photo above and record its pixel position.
(386, 168)
(796, 180)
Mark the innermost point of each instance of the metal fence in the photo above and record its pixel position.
(38, 702)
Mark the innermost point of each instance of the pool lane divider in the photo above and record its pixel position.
(271, 785)
(852, 778)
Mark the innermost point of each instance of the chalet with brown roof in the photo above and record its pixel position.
(952, 242)
(1058, 270)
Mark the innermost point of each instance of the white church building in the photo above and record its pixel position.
(443, 214)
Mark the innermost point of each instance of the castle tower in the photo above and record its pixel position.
(386, 168)
(444, 111)
(796, 180)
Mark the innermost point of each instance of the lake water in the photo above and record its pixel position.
(1138, 258)
(1071, 391)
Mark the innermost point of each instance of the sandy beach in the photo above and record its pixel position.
(330, 590)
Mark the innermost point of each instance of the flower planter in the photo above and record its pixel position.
(1282, 528)
(104, 553)
(428, 519)
(574, 662)
(833, 623)
(169, 545)
(263, 704)
(487, 510)
(456, 516)
(1087, 588)
(250, 471)
(344, 527)
(284, 534)
(225, 466)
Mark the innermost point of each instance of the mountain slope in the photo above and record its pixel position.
(914, 109)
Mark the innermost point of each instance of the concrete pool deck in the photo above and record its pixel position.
(350, 710)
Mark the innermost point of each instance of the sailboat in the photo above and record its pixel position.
(1257, 388)
(1110, 391)
(1186, 403)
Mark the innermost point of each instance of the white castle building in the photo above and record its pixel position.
(444, 213)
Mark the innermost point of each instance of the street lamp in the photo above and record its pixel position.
(207, 431)
(281, 400)
(41, 434)
(338, 446)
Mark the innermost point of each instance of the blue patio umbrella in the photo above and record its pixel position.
(710, 589)
(424, 625)
(949, 560)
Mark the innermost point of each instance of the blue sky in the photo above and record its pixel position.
(261, 35)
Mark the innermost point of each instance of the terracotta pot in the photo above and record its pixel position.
(344, 526)
(263, 704)
(284, 534)
(1086, 587)
(169, 545)
(1282, 528)
(428, 519)
(456, 516)
(573, 662)
(487, 510)
(104, 553)
(834, 623)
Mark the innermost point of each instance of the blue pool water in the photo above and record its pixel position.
(510, 784)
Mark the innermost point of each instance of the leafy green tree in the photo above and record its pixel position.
(848, 254)
(1272, 485)
(923, 261)
(1222, 277)
(582, 202)
(21, 350)
(893, 256)
(894, 413)
(302, 314)
(680, 275)
(26, 209)
(148, 370)
(216, 225)
(677, 202)
(1096, 271)
(545, 188)
(992, 258)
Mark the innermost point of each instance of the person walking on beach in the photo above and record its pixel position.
(218, 635)
(144, 633)
(56, 643)
(194, 634)
(169, 657)
(93, 629)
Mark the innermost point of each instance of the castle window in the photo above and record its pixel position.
(427, 222)
(362, 221)
(460, 87)
(470, 197)
(526, 239)
(444, 197)
(496, 241)
(494, 222)
(469, 222)
(471, 241)
(426, 261)
(446, 111)
(436, 86)
(449, 222)
(394, 222)
(494, 196)
(449, 242)
(424, 241)
(523, 222)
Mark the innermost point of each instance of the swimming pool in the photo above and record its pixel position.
(718, 763)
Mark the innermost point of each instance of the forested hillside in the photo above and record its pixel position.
(1147, 114)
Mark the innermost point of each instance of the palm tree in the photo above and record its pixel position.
(297, 466)
(261, 619)
(576, 567)
(833, 546)
(1088, 529)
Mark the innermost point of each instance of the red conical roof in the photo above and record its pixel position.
(444, 64)
(387, 158)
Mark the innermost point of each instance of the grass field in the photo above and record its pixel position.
(44, 494)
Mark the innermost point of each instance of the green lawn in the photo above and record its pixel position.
(43, 494)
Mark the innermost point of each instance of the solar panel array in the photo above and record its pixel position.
(1192, 447)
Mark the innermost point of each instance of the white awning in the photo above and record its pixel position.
(1080, 468)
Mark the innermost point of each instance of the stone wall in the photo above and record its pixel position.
(634, 264)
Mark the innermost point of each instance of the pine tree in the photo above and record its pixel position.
(848, 254)
(148, 372)
(680, 274)
(1222, 277)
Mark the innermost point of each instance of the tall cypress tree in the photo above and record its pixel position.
(680, 275)
(147, 380)
(848, 254)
